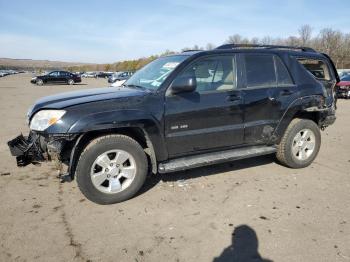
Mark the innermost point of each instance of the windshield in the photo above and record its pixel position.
(154, 74)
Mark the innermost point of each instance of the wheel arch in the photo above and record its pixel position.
(139, 134)
(308, 107)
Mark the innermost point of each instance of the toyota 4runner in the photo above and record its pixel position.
(184, 111)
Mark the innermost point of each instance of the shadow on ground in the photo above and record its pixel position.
(244, 247)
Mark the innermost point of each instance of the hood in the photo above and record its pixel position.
(67, 99)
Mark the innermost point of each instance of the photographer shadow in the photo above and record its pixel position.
(244, 247)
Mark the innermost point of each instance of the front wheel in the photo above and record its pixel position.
(111, 169)
(300, 143)
(70, 82)
(39, 82)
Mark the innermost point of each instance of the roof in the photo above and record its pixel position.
(292, 50)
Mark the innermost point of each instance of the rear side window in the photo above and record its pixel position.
(260, 70)
(317, 68)
(283, 76)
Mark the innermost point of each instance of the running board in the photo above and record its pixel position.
(183, 163)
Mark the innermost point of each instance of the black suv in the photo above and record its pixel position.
(56, 77)
(183, 111)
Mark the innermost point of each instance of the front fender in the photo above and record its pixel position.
(121, 119)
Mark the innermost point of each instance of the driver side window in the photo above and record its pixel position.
(213, 74)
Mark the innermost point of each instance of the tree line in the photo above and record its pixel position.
(332, 42)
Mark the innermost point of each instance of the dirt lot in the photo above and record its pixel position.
(220, 213)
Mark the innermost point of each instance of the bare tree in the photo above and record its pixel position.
(305, 34)
(210, 46)
(329, 41)
(292, 41)
(237, 39)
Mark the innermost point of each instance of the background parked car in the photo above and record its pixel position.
(89, 75)
(119, 76)
(104, 74)
(56, 77)
(8, 72)
(343, 87)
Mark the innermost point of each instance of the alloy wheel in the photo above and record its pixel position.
(113, 171)
(303, 144)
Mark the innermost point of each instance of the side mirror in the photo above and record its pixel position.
(183, 85)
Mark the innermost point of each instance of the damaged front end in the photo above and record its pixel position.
(27, 150)
(36, 148)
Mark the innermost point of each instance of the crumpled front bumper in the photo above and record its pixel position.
(27, 150)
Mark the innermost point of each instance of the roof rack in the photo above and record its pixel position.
(191, 50)
(301, 48)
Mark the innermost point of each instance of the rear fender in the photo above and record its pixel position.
(309, 106)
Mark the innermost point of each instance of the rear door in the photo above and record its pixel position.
(268, 91)
(63, 77)
(211, 117)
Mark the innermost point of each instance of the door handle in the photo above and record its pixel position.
(233, 98)
(286, 92)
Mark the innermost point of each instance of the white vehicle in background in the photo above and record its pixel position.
(90, 75)
(118, 83)
(118, 79)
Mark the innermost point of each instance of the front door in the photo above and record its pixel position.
(211, 117)
(53, 77)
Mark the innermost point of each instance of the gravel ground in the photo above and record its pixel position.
(219, 213)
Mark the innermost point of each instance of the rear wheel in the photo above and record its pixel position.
(70, 82)
(111, 169)
(300, 144)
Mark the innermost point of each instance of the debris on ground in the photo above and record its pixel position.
(263, 218)
(5, 174)
(181, 183)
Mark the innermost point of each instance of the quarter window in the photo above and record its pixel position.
(260, 70)
(316, 67)
(283, 76)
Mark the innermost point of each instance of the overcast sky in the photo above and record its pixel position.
(107, 31)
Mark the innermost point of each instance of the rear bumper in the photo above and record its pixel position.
(26, 150)
(329, 120)
(327, 117)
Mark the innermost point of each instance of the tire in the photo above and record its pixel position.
(70, 82)
(39, 82)
(112, 191)
(295, 149)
